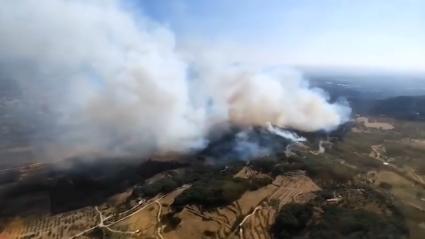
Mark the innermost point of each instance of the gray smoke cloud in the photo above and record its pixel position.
(108, 83)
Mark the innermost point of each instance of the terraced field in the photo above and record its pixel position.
(249, 217)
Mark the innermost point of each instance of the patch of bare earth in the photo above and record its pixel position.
(146, 220)
(414, 143)
(371, 124)
(378, 152)
(247, 172)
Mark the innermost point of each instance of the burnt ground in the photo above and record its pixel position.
(51, 189)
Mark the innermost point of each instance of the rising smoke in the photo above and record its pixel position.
(109, 82)
(292, 136)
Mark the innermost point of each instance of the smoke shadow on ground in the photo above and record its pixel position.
(85, 183)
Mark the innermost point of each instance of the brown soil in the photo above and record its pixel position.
(225, 222)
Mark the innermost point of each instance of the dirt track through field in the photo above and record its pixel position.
(250, 217)
(256, 225)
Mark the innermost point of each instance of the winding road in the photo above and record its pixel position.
(102, 218)
(245, 219)
(158, 220)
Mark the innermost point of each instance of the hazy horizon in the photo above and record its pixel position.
(382, 36)
(194, 119)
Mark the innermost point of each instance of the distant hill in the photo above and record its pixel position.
(402, 107)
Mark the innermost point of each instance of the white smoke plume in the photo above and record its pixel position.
(285, 133)
(109, 82)
(248, 149)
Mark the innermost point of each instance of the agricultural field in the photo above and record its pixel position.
(374, 172)
(389, 155)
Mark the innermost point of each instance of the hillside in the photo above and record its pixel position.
(365, 181)
(402, 107)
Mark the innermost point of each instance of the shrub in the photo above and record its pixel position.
(212, 192)
(291, 220)
(263, 165)
(256, 183)
(171, 221)
(164, 185)
(385, 186)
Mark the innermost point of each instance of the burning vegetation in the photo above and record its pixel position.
(132, 136)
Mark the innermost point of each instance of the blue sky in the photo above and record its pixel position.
(374, 34)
